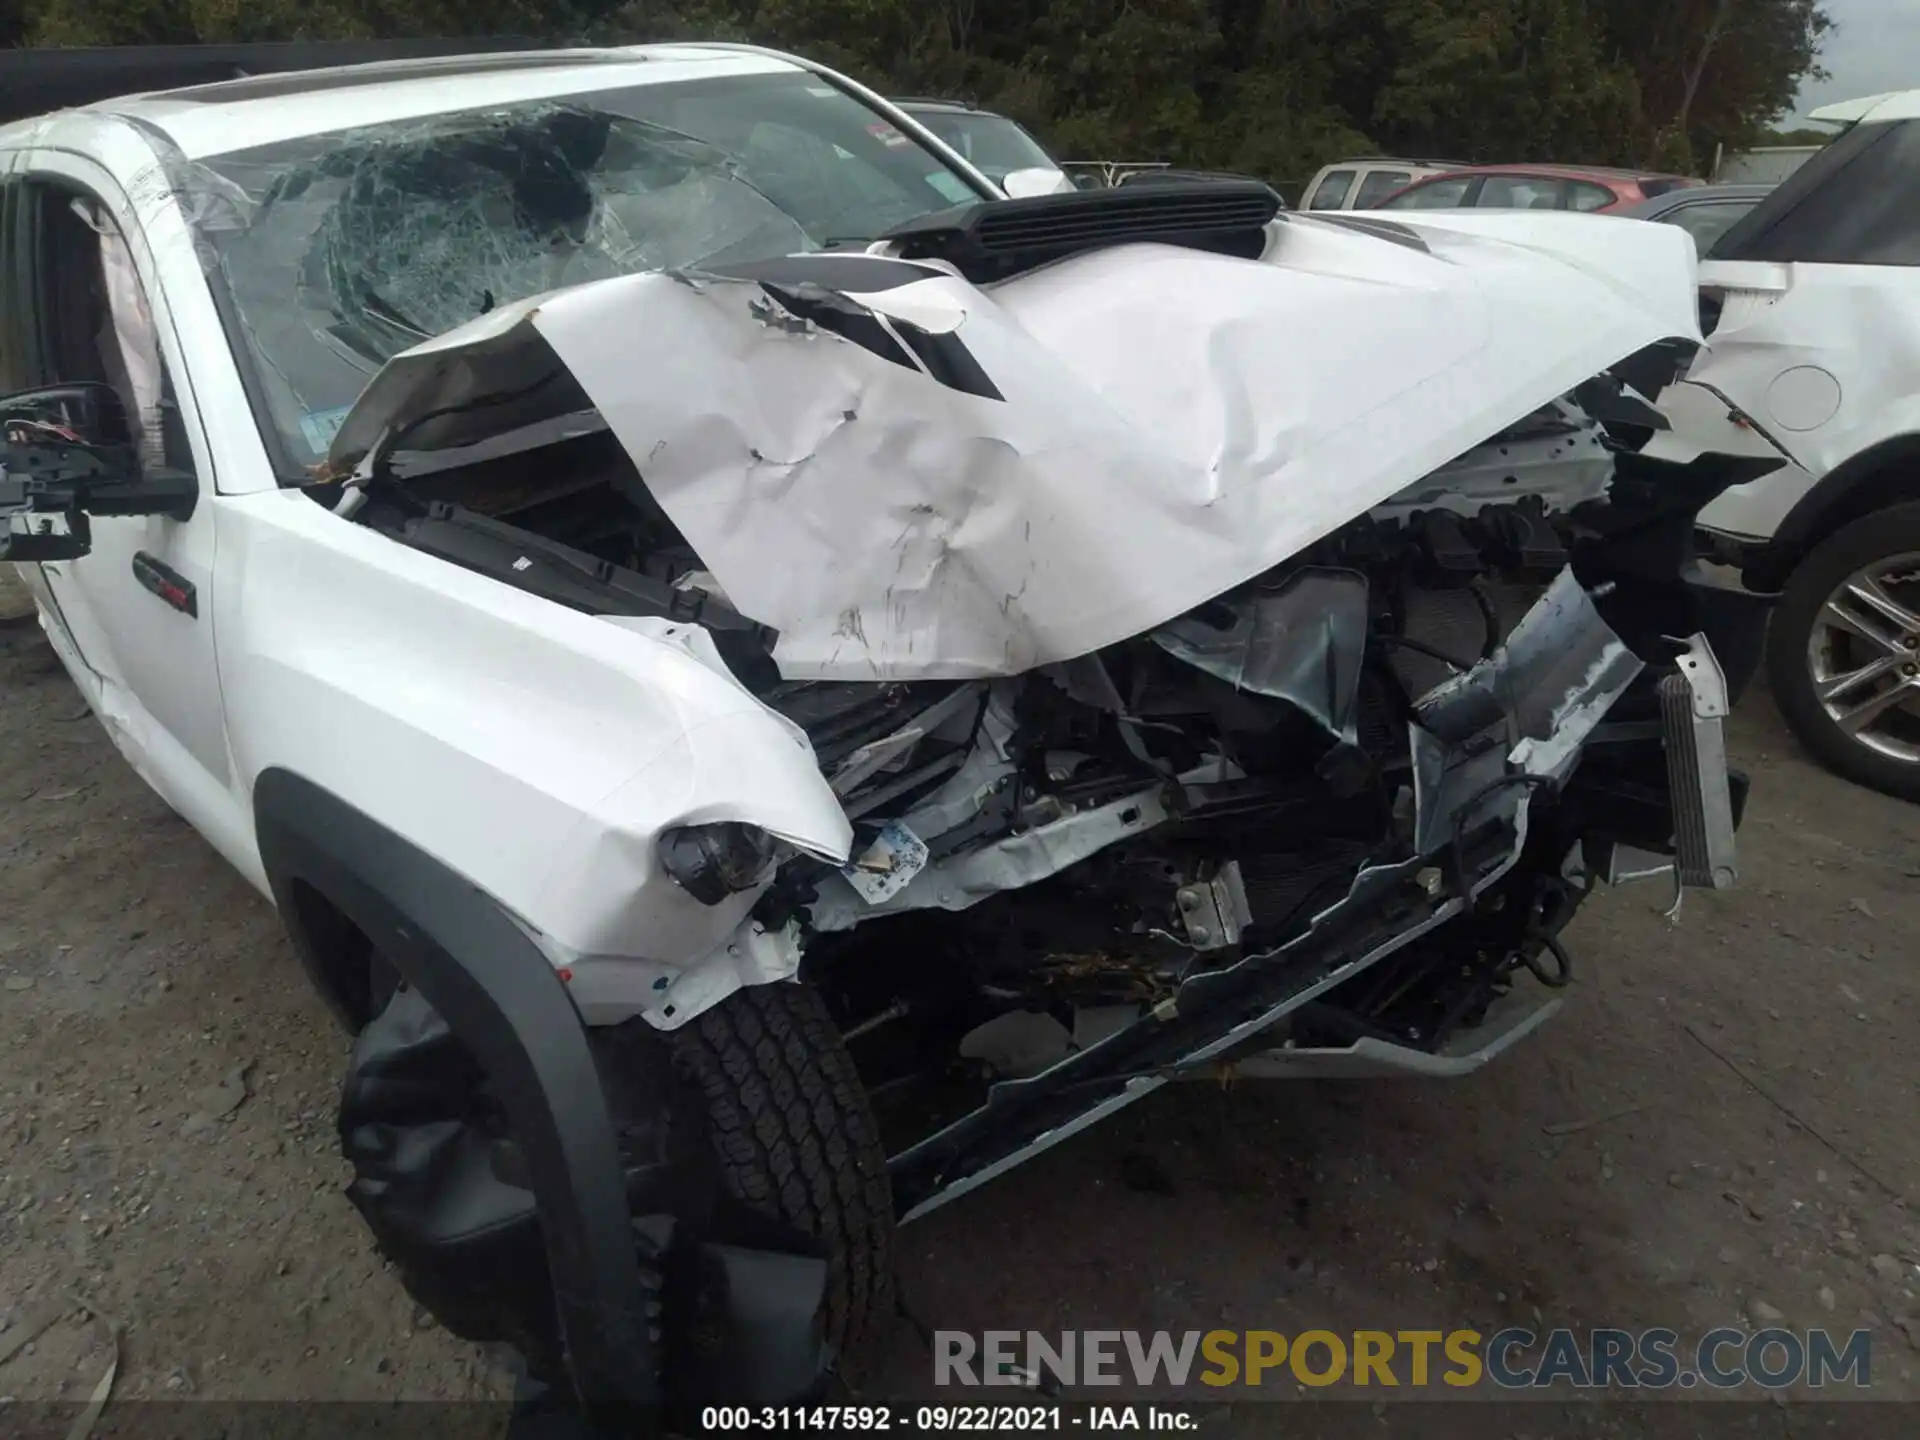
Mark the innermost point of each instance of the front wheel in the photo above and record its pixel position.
(795, 1139)
(1843, 651)
(757, 1100)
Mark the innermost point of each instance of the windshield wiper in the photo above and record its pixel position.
(379, 305)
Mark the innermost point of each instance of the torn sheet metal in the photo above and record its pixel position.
(1539, 698)
(1303, 643)
(1557, 455)
(929, 479)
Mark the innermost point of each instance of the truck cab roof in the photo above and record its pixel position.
(1888, 105)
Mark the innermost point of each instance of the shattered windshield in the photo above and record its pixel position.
(345, 248)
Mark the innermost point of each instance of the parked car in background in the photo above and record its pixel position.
(993, 144)
(1534, 187)
(1811, 309)
(1705, 212)
(1362, 184)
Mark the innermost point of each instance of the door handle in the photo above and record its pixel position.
(167, 583)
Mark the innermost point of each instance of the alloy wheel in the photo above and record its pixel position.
(1863, 655)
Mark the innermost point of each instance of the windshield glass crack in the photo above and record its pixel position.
(387, 235)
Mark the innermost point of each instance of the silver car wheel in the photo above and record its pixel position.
(1863, 655)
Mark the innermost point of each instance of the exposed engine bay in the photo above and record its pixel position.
(1041, 860)
(1166, 714)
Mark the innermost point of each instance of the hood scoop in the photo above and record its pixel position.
(997, 239)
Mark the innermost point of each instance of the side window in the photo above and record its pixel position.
(1434, 195)
(1855, 203)
(954, 135)
(1377, 186)
(15, 368)
(1331, 193)
(1520, 192)
(1582, 196)
(1707, 222)
(86, 317)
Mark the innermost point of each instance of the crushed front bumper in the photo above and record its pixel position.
(1516, 728)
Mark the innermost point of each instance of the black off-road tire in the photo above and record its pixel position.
(1888, 532)
(795, 1139)
(758, 1095)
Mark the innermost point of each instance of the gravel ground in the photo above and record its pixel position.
(167, 1163)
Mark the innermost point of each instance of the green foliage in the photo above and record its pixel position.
(179, 22)
(1512, 79)
(1806, 135)
(1271, 87)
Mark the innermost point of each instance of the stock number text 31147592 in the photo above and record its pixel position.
(924, 1419)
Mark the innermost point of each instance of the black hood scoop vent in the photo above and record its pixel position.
(993, 239)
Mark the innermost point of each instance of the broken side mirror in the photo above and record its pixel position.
(85, 413)
(66, 454)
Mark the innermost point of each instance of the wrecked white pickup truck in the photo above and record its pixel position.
(770, 683)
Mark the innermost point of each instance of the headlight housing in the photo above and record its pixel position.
(711, 862)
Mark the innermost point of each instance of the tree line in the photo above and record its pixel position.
(1266, 87)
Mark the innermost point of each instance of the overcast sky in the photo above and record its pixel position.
(1875, 46)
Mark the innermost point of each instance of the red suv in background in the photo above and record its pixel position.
(1534, 187)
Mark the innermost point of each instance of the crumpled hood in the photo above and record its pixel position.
(909, 476)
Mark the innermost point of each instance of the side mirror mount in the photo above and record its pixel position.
(85, 413)
(1036, 180)
(65, 453)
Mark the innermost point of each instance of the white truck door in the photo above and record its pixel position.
(137, 606)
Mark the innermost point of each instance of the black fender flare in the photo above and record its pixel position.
(480, 971)
(1881, 475)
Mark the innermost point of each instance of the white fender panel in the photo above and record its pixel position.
(535, 750)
